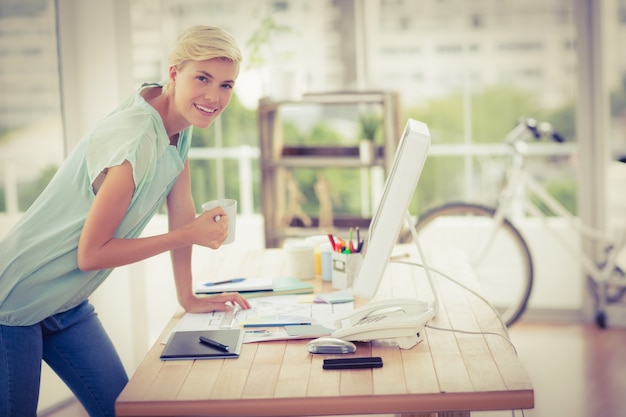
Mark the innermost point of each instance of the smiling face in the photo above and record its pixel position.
(202, 90)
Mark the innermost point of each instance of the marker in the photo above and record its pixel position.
(350, 237)
(332, 242)
(214, 344)
(228, 281)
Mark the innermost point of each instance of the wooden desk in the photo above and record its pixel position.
(447, 373)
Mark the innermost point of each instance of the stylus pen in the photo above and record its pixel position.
(213, 343)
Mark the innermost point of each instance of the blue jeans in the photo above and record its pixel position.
(76, 347)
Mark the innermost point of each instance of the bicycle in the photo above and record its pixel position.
(498, 251)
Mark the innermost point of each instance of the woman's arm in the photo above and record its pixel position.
(97, 247)
(181, 211)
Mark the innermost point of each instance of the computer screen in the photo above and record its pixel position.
(394, 203)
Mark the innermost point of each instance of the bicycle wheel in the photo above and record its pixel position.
(503, 266)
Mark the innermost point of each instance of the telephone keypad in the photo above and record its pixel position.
(370, 319)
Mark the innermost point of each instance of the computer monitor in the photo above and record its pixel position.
(394, 204)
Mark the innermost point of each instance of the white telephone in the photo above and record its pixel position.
(401, 319)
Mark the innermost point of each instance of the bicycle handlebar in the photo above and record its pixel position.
(557, 137)
(532, 126)
(537, 130)
(543, 129)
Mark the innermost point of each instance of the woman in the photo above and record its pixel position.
(88, 221)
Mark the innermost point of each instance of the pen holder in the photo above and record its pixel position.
(345, 268)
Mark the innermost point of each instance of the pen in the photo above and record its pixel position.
(228, 281)
(213, 343)
(261, 332)
(248, 325)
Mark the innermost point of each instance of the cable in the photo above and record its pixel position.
(465, 287)
(471, 291)
(429, 270)
(444, 329)
(426, 267)
(449, 278)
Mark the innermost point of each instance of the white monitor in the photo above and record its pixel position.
(390, 214)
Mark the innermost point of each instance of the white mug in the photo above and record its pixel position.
(230, 208)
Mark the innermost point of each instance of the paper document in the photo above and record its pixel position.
(290, 332)
(273, 311)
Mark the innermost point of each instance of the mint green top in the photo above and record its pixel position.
(39, 273)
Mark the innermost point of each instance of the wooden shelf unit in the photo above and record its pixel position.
(277, 158)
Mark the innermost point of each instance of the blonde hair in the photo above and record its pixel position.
(199, 43)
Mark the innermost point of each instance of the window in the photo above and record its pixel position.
(475, 84)
(31, 133)
(431, 52)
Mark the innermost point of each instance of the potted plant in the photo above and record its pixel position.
(369, 123)
(267, 54)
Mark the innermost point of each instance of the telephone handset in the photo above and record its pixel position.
(401, 319)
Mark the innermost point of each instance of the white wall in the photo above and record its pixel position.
(558, 281)
(95, 61)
